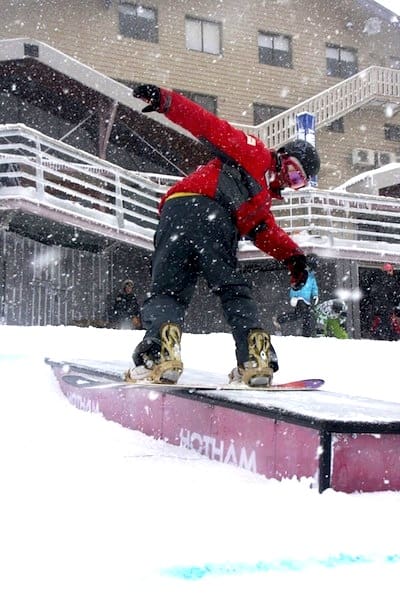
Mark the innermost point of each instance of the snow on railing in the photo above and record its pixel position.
(88, 191)
(55, 170)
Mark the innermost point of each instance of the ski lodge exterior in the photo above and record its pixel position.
(81, 168)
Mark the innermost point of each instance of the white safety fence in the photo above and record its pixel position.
(41, 175)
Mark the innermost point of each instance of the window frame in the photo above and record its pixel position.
(132, 29)
(336, 126)
(203, 45)
(210, 102)
(275, 57)
(273, 110)
(392, 132)
(337, 67)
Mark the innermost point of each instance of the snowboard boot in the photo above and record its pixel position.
(158, 360)
(262, 363)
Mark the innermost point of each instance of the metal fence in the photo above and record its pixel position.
(43, 176)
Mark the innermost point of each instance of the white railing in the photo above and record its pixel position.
(43, 176)
(372, 83)
(38, 171)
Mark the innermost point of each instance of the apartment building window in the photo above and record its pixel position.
(206, 101)
(275, 49)
(139, 22)
(264, 112)
(392, 132)
(337, 126)
(203, 36)
(341, 62)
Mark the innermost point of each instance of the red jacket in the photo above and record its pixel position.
(243, 159)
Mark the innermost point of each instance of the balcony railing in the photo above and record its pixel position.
(45, 177)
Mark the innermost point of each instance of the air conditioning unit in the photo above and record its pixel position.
(385, 158)
(363, 157)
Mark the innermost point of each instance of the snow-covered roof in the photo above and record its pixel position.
(370, 182)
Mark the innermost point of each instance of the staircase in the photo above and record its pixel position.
(378, 85)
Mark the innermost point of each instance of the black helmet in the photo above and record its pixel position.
(305, 153)
(313, 261)
(339, 307)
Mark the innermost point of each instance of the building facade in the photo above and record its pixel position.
(244, 61)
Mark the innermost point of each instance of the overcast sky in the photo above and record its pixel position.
(392, 5)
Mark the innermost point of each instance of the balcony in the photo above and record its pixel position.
(57, 194)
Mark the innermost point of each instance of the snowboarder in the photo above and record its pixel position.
(302, 300)
(125, 313)
(331, 319)
(386, 295)
(201, 217)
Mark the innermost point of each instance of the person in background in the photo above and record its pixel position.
(396, 322)
(386, 296)
(331, 317)
(201, 218)
(303, 300)
(125, 313)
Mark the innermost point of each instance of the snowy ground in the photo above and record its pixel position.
(92, 511)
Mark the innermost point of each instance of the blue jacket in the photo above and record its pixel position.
(309, 291)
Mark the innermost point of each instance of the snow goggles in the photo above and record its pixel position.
(294, 172)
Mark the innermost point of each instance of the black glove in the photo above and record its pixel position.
(297, 265)
(149, 93)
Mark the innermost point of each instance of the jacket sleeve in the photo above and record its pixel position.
(251, 154)
(314, 291)
(204, 125)
(273, 240)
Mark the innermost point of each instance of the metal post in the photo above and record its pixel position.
(305, 127)
(119, 208)
(39, 169)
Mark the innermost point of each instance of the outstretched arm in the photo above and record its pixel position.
(273, 240)
(204, 125)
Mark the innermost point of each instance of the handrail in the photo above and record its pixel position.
(43, 175)
(331, 104)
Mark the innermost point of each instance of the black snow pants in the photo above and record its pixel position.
(196, 236)
(302, 312)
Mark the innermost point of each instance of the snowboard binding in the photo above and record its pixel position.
(158, 361)
(258, 370)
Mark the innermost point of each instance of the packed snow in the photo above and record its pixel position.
(90, 510)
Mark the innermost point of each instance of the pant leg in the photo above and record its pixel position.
(385, 328)
(215, 246)
(307, 315)
(288, 317)
(301, 312)
(336, 329)
(195, 235)
(174, 272)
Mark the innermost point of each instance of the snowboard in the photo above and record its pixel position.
(89, 374)
(298, 385)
